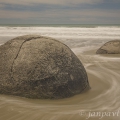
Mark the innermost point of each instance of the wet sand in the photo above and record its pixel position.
(104, 96)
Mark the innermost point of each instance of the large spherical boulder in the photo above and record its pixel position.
(40, 67)
(111, 47)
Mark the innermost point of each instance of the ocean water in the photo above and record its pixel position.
(103, 73)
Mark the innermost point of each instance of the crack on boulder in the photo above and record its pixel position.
(25, 40)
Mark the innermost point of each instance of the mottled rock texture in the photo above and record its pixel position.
(111, 47)
(40, 67)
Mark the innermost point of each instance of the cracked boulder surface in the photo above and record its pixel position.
(111, 47)
(40, 67)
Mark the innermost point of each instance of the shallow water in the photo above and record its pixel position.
(103, 73)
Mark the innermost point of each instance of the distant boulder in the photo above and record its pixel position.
(40, 67)
(111, 47)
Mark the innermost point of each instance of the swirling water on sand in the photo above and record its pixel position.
(103, 73)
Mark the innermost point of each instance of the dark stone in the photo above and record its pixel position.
(111, 47)
(40, 67)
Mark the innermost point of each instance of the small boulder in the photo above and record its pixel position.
(111, 47)
(39, 67)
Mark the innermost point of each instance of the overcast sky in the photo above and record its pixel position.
(59, 11)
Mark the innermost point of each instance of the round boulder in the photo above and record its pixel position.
(111, 47)
(39, 67)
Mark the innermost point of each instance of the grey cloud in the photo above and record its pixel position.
(2, 5)
(70, 15)
(30, 2)
(54, 12)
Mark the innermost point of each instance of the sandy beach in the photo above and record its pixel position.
(103, 74)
